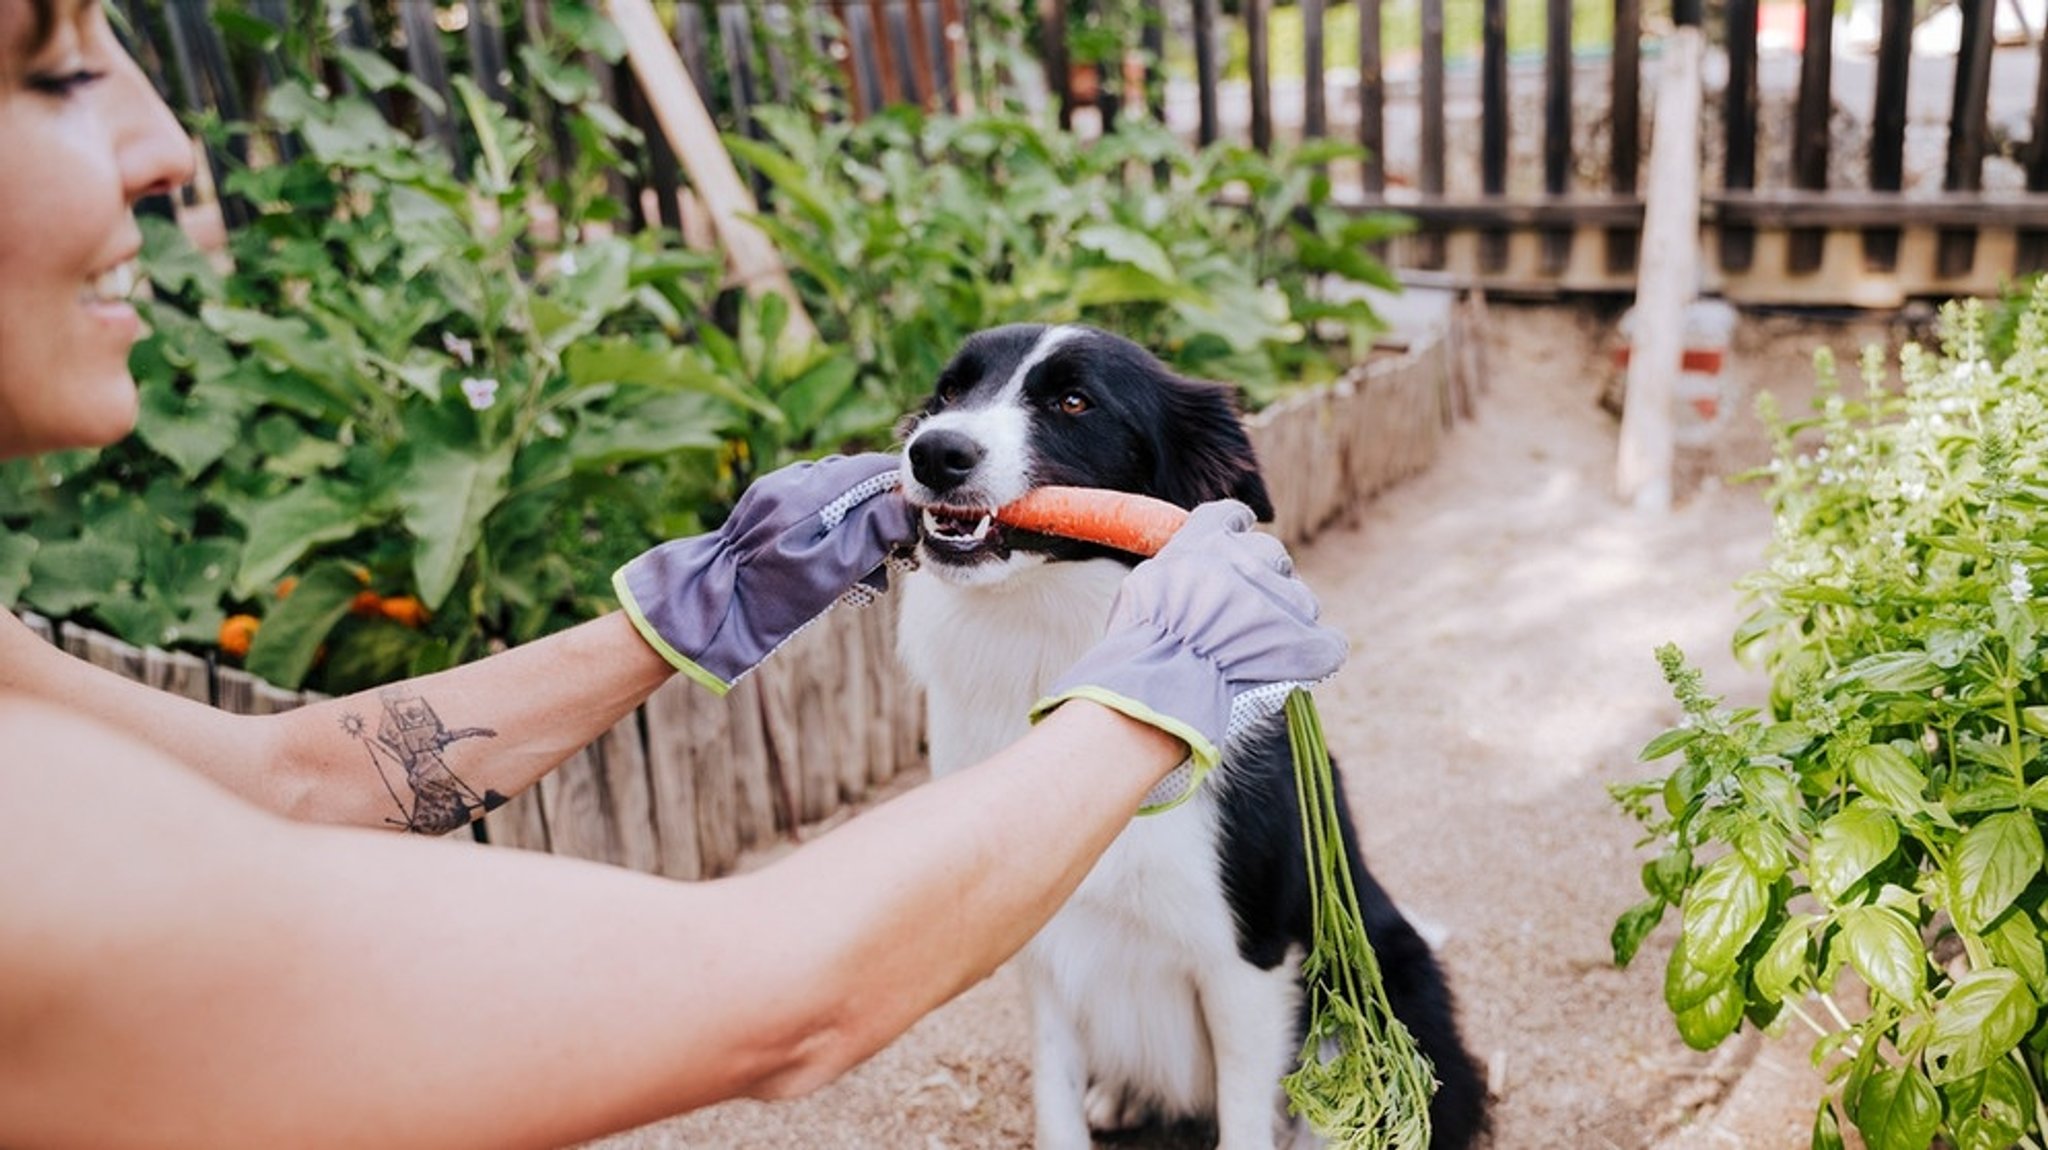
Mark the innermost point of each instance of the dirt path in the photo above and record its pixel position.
(1502, 610)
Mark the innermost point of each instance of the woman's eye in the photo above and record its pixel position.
(1073, 403)
(63, 83)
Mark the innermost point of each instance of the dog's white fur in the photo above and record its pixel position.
(1140, 1000)
(1138, 979)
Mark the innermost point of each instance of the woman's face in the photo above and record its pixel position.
(82, 137)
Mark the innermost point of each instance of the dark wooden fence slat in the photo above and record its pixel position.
(1810, 129)
(1625, 146)
(1315, 120)
(938, 19)
(660, 171)
(2037, 145)
(428, 66)
(865, 60)
(1968, 132)
(885, 54)
(486, 37)
(1557, 124)
(1738, 119)
(1372, 98)
(2033, 245)
(1888, 123)
(1430, 170)
(1052, 19)
(1259, 45)
(360, 32)
(906, 43)
(736, 44)
(1206, 76)
(1493, 128)
(781, 30)
(202, 80)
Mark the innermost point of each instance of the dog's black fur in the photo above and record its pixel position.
(1099, 411)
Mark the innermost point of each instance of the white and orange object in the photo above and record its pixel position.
(1702, 395)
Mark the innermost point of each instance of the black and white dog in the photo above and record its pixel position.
(1169, 986)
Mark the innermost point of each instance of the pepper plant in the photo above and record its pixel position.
(1863, 855)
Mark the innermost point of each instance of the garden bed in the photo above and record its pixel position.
(688, 782)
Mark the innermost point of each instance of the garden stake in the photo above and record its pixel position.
(1363, 1082)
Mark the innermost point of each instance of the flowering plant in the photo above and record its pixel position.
(1864, 856)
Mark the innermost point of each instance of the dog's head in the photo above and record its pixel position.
(1028, 406)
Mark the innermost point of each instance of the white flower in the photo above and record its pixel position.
(567, 263)
(458, 347)
(2018, 583)
(481, 393)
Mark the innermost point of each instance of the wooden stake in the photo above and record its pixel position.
(754, 263)
(1666, 277)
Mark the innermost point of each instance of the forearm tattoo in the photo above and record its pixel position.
(413, 739)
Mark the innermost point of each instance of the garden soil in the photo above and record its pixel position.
(1502, 608)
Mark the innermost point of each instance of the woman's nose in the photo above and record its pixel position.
(155, 153)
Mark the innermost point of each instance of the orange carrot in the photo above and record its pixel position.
(1138, 524)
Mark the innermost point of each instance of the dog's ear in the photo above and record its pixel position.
(1204, 452)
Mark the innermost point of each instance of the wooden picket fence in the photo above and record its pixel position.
(690, 781)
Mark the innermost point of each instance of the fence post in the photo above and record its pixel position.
(756, 266)
(1667, 271)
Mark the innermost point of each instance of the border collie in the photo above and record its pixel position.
(1169, 986)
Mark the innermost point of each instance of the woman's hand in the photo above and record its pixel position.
(715, 605)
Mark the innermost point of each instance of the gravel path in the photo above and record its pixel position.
(1502, 609)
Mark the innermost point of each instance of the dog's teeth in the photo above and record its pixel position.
(931, 523)
(981, 529)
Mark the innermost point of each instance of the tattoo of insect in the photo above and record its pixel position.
(412, 737)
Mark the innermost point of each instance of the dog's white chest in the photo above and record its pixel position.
(986, 654)
(1121, 961)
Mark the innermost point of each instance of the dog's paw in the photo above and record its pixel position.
(1115, 1109)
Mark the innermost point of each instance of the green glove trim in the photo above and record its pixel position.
(675, 658)
(1202, 754)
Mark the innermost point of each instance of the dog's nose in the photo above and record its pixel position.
(942, 460)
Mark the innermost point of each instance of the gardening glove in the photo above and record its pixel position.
(1205, 642)
(799, 540)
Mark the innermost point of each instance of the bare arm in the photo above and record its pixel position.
(428, 754)
(177, 969)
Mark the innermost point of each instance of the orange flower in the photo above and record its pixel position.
(287, 585)
(366, 604)
(237, 632)
(406, 611)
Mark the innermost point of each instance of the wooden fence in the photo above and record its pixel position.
(1542, 212)
(691, 780)
(876, 53)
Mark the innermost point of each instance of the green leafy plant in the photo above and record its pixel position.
(907, 233)
(1864, 855)
(449, 392)
(426, 402)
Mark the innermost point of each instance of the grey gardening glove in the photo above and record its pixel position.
(1206, 640)
(801, 538)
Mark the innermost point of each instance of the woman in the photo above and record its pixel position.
(185, 960)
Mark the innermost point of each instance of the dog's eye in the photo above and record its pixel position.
(1073, 403)
(948, 392)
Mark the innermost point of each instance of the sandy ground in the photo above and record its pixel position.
(1502, 610)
